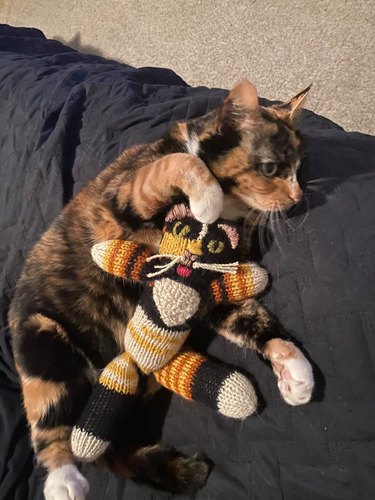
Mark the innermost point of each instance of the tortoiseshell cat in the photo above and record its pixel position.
(68, 318)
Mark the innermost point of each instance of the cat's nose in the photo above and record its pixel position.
(295, 194)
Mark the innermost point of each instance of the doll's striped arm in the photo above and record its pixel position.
(249, 280)
(125, 259)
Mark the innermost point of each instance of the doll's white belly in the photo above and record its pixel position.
(176, 302)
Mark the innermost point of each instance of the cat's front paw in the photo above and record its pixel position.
(208, 205)
(296, 381)
(294, 373)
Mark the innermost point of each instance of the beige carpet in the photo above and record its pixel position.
(281, 45)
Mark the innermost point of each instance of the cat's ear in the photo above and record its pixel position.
(290, 110)
(241, 100)
(296, 102)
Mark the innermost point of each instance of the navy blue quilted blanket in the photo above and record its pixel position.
(63, 117)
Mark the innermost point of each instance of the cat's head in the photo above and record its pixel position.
(256, 151)
(195, 242)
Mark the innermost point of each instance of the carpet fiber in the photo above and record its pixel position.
(280, 46)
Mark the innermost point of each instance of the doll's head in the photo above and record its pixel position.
(197, 248)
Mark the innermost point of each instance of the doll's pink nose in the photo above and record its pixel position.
(189, 257)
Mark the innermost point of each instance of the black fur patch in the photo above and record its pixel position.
(43, 353)
(164, 467)
(218, 145)
(227, 183)
(170, 144)
(252, 328)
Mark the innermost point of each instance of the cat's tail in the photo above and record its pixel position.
(161, 466)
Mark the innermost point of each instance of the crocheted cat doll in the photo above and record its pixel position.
(197, 263)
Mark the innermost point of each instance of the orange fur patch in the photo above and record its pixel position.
(39, 395)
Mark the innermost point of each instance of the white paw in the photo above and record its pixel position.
(66, 483)
(295, 380)
(208, 207)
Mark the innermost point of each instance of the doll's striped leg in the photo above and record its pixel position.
(195, 377)
(110, 402)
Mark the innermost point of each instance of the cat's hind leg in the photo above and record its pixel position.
(55, 380)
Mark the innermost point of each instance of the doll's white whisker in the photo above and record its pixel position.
(163, 268)
(230, 268)
(162, 256)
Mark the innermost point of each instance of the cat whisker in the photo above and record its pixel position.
(320, 179)
(313, 189)
(249, 225)
(305, 199)
(273, 222)
(262, 231)
(284, 216)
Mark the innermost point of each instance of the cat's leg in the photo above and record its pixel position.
(55, 384)
(197, 378)
(156, 183)
(250, 325)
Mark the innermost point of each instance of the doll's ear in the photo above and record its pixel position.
(178, 212)
(232, 234)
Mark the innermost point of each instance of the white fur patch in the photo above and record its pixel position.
(66, 483)
(192, 145)
(295, 380)
(208, 207)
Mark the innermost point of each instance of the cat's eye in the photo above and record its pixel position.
(180, 231)
(268, 169)
(215, 246)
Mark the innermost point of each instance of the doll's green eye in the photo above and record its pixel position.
(178, 231)
(215, 246)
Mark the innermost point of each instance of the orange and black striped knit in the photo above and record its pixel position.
(160, 327)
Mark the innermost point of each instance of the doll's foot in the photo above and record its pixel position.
(85, 446)
(237, 397)
(293, 371)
